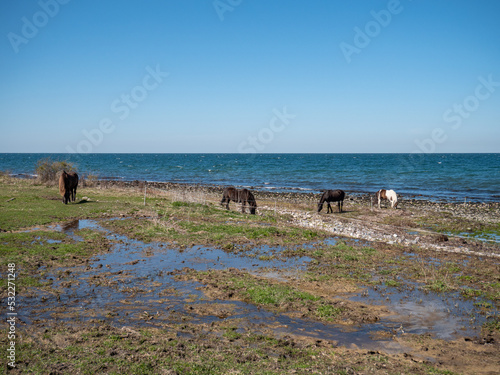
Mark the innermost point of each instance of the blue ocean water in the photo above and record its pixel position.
(475, 177)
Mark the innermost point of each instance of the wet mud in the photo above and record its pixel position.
(137, 284)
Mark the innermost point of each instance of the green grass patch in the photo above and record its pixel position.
(470, 293)
(263, 293)
(492, 324)
(392, 283)
(438, 286)
(328, 312)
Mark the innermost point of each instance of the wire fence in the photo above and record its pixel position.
(195, 196)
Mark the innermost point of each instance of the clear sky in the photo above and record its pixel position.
(250, 75)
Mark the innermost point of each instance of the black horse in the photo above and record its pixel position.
(243, 196)
(332, 196)
(68, 182)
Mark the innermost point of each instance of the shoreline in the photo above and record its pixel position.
(292, 191)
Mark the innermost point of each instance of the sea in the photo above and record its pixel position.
(432, 176)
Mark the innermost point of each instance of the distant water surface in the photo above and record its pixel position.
(456, 177)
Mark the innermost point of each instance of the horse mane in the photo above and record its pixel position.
(382, 194)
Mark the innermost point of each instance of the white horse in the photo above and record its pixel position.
(390, 195)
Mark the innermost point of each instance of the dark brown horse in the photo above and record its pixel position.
(68, 182)
(243, 196)
(332, 196)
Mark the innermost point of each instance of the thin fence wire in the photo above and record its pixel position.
(200, 197)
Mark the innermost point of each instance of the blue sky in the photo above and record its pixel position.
(250, 76)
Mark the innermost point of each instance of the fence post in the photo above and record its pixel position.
(145, 186)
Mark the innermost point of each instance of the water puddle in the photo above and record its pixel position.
(484, 237)
(446, 316)
(133, 284)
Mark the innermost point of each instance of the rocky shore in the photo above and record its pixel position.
(489, 211)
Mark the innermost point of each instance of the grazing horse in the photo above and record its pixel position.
(243, 196)
(390, 195)
(332, 196)
(68, 182)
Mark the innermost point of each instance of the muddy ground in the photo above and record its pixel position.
(181, 286)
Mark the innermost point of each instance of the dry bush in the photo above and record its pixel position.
(48, 171)
(90, 180)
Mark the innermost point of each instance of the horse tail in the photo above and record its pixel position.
(251, 199)
(62, 183)
(252, 202)
(341, 195)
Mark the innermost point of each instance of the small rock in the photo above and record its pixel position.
(442, 238)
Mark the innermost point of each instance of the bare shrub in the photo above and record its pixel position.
(48, 171)
(90, 180)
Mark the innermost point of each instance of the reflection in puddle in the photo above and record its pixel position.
(133, 284)
(71, 226)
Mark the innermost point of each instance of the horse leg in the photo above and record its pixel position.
(329, 209)
(225, 201)
(243, 207)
